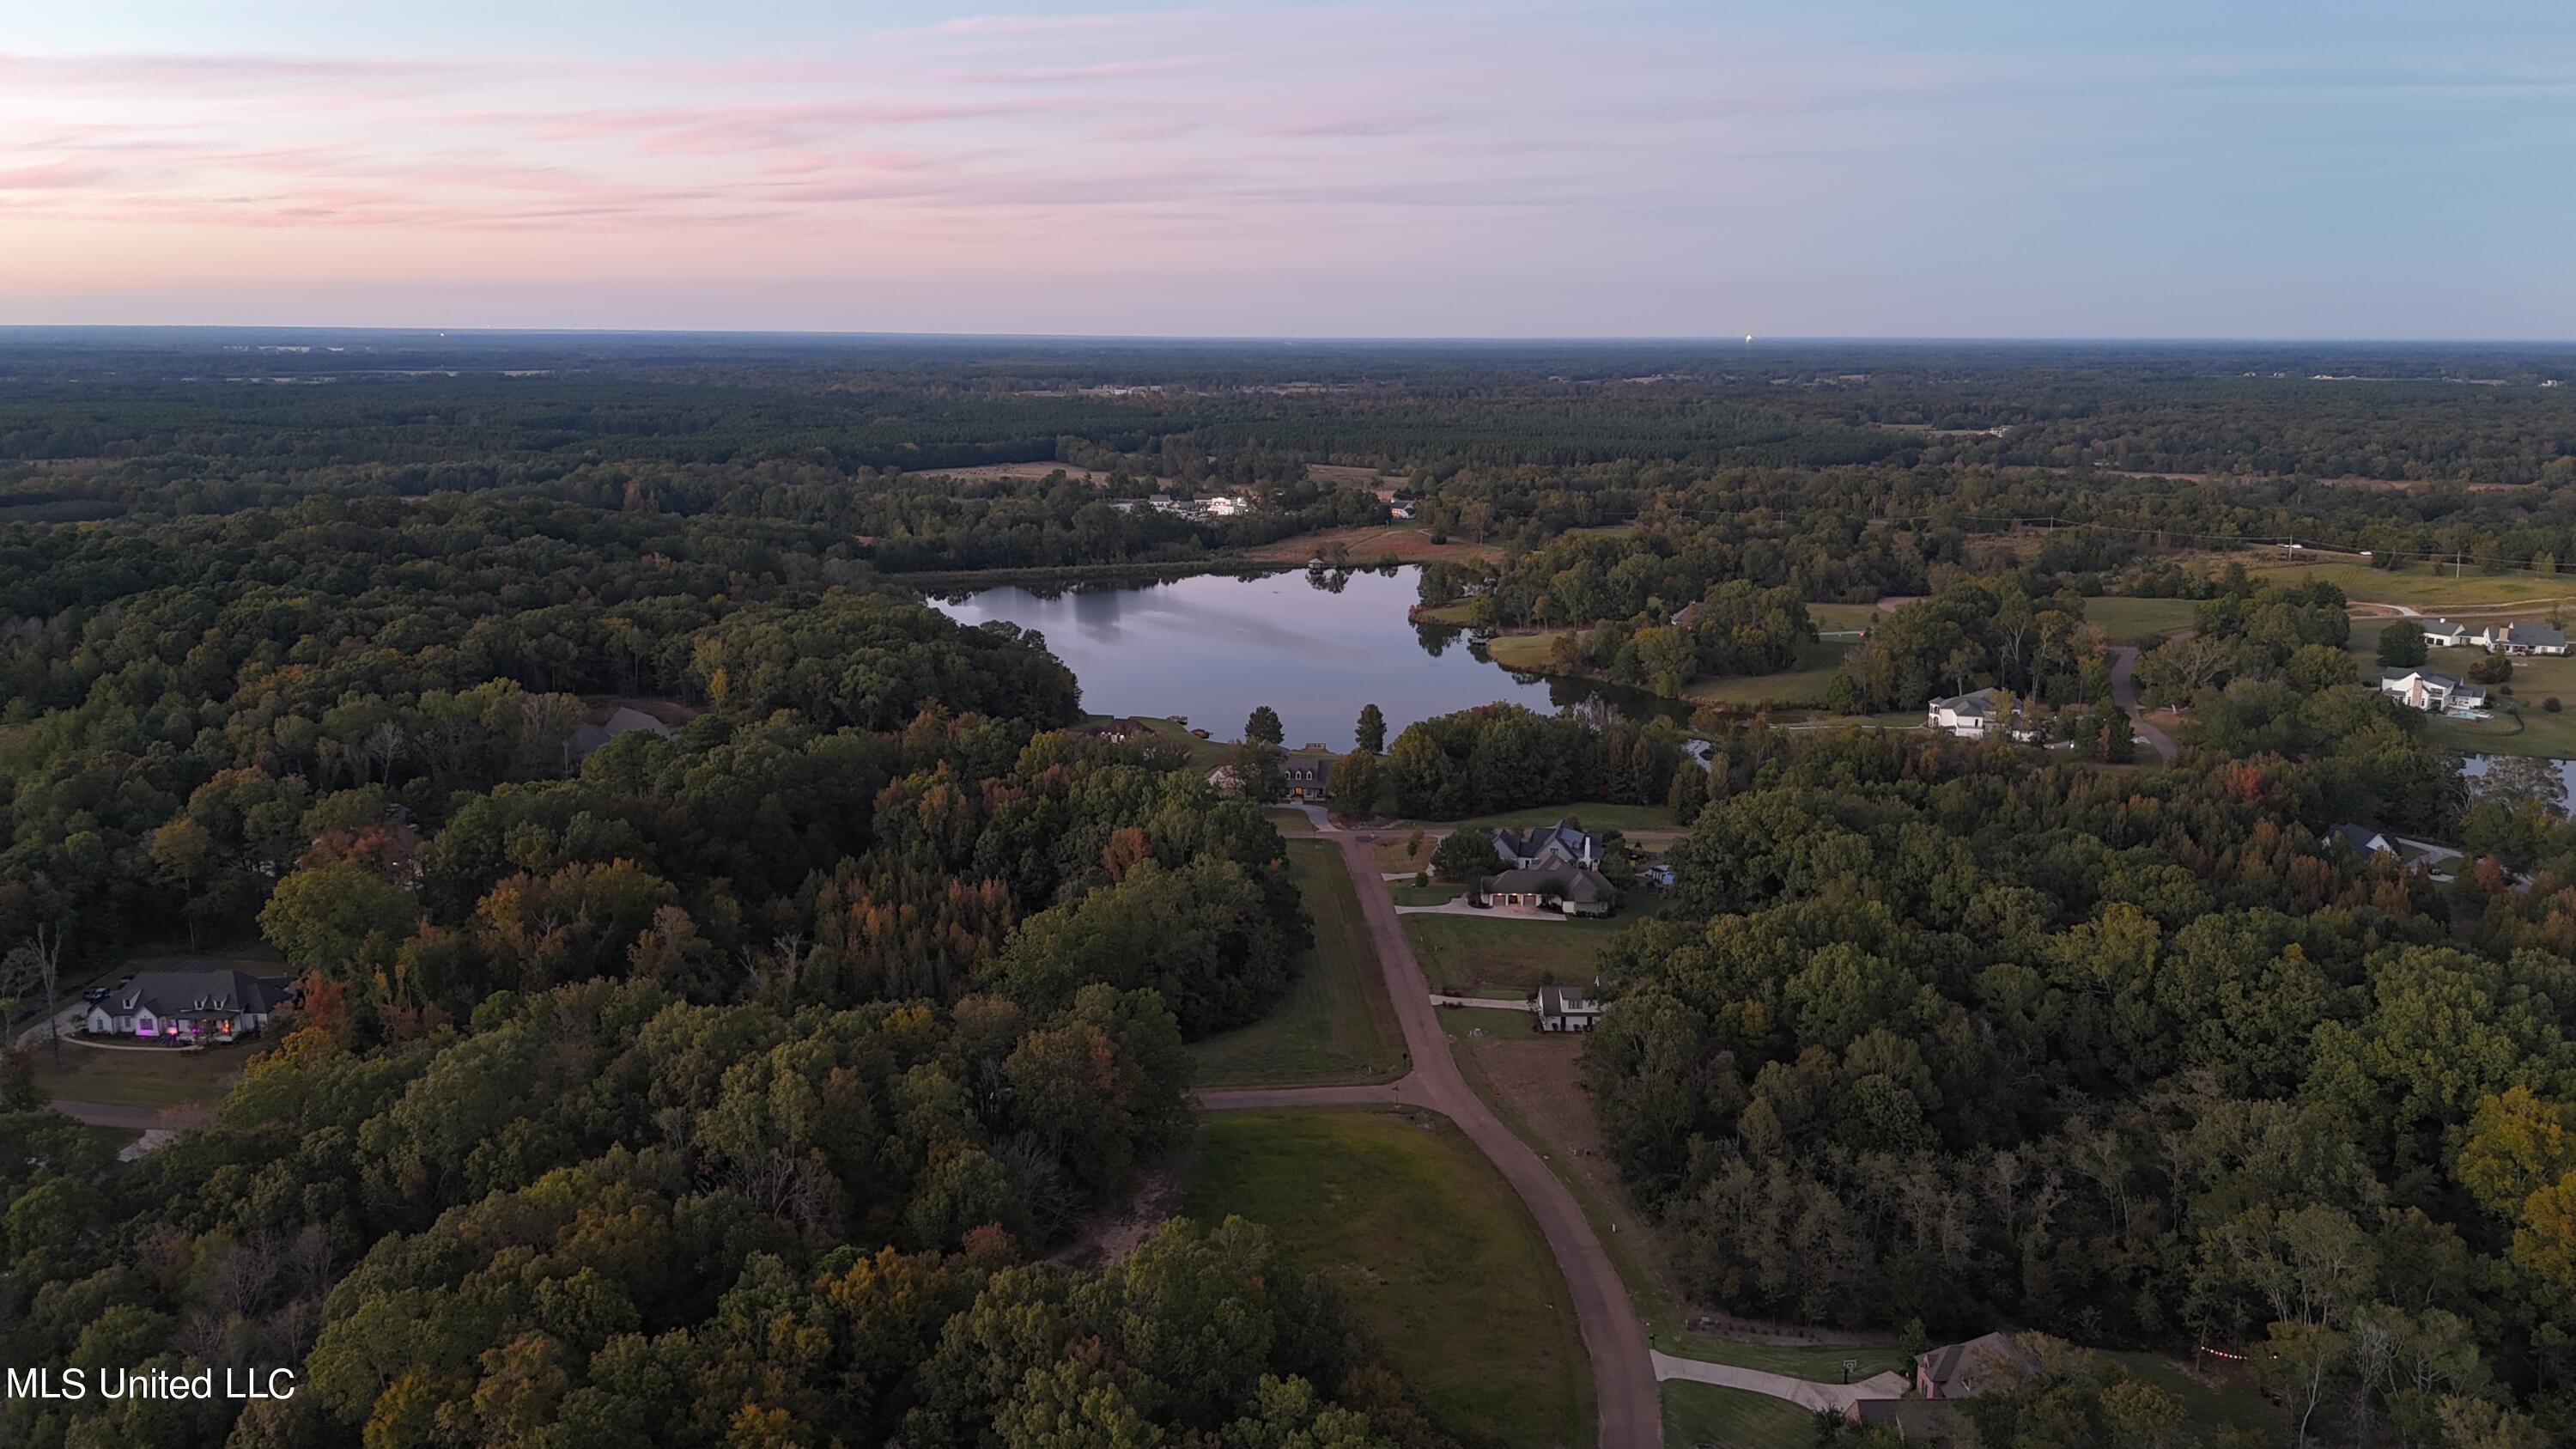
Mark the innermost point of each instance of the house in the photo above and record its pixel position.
(1572, 890)
(1564, 843)
(2364, 841)
(1117, 731)
(2443, 634)
(1567, 1008)
(625, 719)
(1400, 509)
(1981, 1365)
(2524, 638)
(201, 1002)
(1976, 715)
(1914, 1421)
(2424, 689)
(1689, 617)
(1308, 775)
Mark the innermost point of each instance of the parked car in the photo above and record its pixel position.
(94, 995)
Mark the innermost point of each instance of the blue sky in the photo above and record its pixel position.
(1872, 169)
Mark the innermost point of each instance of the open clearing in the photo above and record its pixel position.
(1482, 956)
(1432, 1249)
(1595, 814)
(986, 472)
(1369, 543)
(2432, 590)
(1335, 1024)
(1843, 616)
(1818, 662)
(1349, 475)
(2139, 621)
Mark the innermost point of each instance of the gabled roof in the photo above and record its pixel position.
(196, 992)
(2444, 627)
(2530, 634)
(1976, 702)
(2432, 677)
(1565, 1001)
(2362, 839)
(1567, 835)
(1981, 1364)
(1580, 884)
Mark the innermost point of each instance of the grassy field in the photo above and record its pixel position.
(1458, 1021)
(1437, 893)
(1797, 688)
(1698, 1415)
(2429, 589)
(2139, 621)
(1462, 953)
(1433, 1250)
(1287, 821)
(152, 1078)
(1336, 1024)
(1595, 814)
(1844, 616)
(1204, 754)
(1390, 847)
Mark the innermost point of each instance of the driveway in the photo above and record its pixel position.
(2124, 693)
(1804, 1392)
(67, 1018)
(1623, 1374)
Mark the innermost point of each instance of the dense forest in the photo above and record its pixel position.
(731, 1082)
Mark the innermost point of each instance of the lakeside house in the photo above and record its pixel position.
(1567, 1008)
(2429, 690)
(1116, 731)
(202, 1002)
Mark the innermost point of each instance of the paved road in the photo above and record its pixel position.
(100, 1114)
(1623, 1373)
(2124, 693)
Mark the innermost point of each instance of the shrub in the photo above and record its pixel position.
(2550, 704)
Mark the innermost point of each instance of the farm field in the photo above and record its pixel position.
(2432, 590)
(1461, 954)
(1431, 1248)
(1335, 1024)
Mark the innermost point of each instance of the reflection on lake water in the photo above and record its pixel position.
(1314, 646)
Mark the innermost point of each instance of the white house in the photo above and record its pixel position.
(203, 1003)
(2424, 689)
(2443, 634)
(2524, 637)
(1979, 714)
(1566, 1008)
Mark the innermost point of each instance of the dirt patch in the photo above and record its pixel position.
(1366, 545)
(1104, 1236)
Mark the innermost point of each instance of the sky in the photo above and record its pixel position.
(1970, 168)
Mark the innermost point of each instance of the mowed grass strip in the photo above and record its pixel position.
(147, 1077)
(2140, 621)
(1431, 1248)
(1335, 1025)
(1698, 1415)
(1488, 956)
(1594, 814)
(2432, 589)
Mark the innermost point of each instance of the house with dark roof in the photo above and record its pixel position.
(1571, 890)
(202, 1002)
(1913, 1421)
(1978, 714)
(1567, 1008)
(1309, 776)
(2364, 841)
(1564, 843)
(1978, 1366)
(2524, 637)
(625, 719)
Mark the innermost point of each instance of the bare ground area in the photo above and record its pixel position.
(1104, 1236)
(1367, 545)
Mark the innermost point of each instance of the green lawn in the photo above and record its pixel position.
(1287, 821)
(2520, 726)
(1431, 1248)
(1822, 1362)
(1701, 1415)
(2139, 621)
(154, 1077)
(1335, 1024)
(1482, 956)
(1204, 754)
(1528, 653)
(1797, 688)
(1595, 814)
(1437, 893)
(1458, 1021)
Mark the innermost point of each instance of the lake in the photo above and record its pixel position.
(1313, 646)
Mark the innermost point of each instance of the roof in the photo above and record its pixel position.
(1566, 1001)
(1300, 767)
(2432, 677)
(208, 990)
(625, 719)
(2362, 838)
(2530, 634)
(2444, 626)
(1913, 1419)
(1579, 884)
(1568, 834)
(1689, 616)
(1990, 1362)
(1974, 702)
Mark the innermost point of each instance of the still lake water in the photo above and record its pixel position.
(1313, 646)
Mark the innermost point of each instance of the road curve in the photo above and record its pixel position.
(2124, 693)
(1623, 1370)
